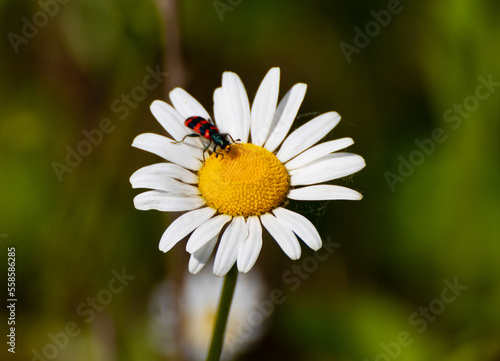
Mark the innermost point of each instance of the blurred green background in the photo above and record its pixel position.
(431, 212)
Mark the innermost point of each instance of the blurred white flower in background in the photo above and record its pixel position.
(182, 318)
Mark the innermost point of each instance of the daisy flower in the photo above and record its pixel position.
(247, 187)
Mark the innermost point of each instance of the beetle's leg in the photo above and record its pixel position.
(232, 140)
(205, 149)
(217, 153)
(188, 135)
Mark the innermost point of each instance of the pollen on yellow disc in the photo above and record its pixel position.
(245, 180)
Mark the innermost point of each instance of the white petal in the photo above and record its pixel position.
(166, 202)
(332, 166)
(307, 135)
(238, 106)
(173, 123)
(227, 252)
(169, 119)
(221, 112)
(184, 225)
(251, 246)
(166, 184)
(282, 234)
(206, 232)
(167, 170)
(186, 104)
(301, 226)
(164, 147)
(318, 151)
(264, 106)
(285, 115)
(193, 146)
(324, 192)
(199, 258)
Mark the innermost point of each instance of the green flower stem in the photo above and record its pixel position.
(226, 298)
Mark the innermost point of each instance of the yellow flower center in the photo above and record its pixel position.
(244, 181)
